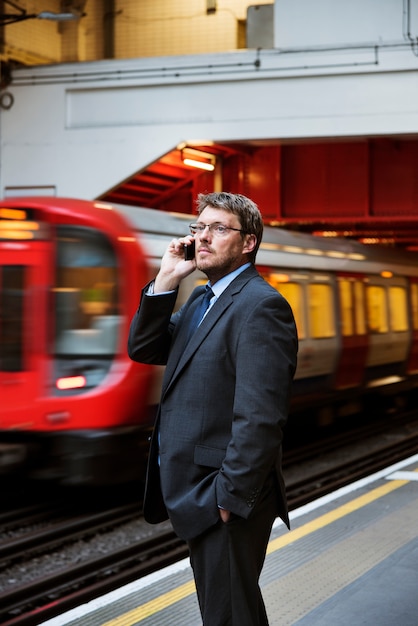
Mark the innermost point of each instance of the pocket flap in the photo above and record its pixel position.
(211, 457)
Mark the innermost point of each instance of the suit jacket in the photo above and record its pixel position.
(224, 401)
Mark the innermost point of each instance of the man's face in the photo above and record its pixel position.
(217, 256)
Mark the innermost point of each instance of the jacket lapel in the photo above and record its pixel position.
(181, 351)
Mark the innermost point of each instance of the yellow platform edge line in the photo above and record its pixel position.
(179, 593)
(153, 606)
(332, 516)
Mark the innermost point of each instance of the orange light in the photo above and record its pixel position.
(12, 214)
(72, 382)
(280, 278)
(16, 229)
(128, 239)
(16, 234)
(11, 225)
(386, 274)
(199, 159)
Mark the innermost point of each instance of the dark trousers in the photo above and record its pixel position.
(227, 561)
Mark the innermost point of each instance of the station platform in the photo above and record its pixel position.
(350, 558)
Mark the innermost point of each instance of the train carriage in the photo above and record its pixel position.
(72, 403)
(74, 408)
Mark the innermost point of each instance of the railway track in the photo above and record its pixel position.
(54, 534)
(343, 459)
(321, 468)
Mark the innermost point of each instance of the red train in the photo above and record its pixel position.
(75, 409)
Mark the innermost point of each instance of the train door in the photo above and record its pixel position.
(388, 325)
(412, 366)
(321, 344)
(354, 338)
(312, 299)
(24, 280)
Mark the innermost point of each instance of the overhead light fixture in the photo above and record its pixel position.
(59, 17)
(21, 15)
(197, 158)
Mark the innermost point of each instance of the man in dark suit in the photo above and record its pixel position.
(215, 458)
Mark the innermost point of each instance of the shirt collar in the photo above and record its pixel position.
(220, 285)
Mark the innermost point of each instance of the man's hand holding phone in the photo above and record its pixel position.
(175, 265)
(189, 251)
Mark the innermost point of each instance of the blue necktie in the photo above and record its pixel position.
(200, 310)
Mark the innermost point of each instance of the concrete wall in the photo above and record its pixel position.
(82, 128)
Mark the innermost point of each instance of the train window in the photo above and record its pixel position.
(293, 293)
(414, 305)
(321, 311)
(398, 309)
(11, 318)
(85, 294)
(377, 315)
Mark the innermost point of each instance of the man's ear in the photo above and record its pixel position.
(249, 244)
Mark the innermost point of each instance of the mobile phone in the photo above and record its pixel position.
(189, 251)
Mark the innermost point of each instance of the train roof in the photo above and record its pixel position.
(284, 248)
(280, 248)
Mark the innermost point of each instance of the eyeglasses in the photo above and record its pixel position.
(217, 229)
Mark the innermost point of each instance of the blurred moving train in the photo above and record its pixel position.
(75, 409)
